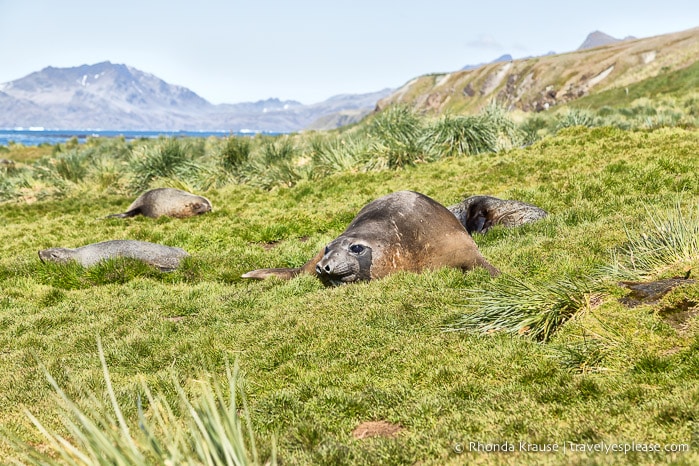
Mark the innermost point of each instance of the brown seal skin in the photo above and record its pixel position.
(401, 231)
(166, 258)
(479, 213)
(170, 202)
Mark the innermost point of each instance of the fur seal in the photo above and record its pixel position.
(401, 231)
(167, 201)
(166, 258)
(479, 213)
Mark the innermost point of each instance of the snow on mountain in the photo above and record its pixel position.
(116, 96)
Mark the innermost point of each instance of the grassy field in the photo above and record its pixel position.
(316, 363)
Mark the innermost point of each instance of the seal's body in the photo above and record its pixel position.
(166, 258)
(479, 213)
(170, 202)
(401, 231)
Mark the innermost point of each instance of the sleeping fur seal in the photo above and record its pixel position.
(401, 231)
(479, 213)
(167, 201)
(166, 258)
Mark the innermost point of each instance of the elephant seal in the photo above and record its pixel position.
(401, 231)
(479, 213)
(166, 258)
(167, 201)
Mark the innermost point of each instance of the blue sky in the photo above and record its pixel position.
(309, 50)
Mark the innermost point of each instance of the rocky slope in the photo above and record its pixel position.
(539, 83)
(115, 96)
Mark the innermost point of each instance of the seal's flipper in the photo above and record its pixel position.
(493, 271)
(130, 213)
(261, 274)
(287, 274)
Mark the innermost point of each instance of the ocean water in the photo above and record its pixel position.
(30, 137)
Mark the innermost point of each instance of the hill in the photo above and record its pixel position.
(539, 83)
(319, 362)
(119, 97)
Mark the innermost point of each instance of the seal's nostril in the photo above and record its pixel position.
(318, 270)
(327, 268)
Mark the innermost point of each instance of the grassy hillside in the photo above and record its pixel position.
(540, 83)
(318, 362)
(676, 84)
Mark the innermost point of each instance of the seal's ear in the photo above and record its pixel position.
(261, 274)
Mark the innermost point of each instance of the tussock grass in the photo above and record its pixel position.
(463, 135)
(170, 158)
(395, 137)
(212, 431)
(522, 307)
(670, 240)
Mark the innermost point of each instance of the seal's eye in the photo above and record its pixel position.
(327, 250)
(356, 248)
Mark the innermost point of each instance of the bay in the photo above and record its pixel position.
(36, 137)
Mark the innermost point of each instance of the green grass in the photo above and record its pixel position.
(680, 84)
(99, 434)
(317, 362)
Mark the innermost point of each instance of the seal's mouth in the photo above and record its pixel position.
(337, 280)
(41, 258)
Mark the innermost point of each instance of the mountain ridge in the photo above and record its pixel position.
(117, 96)
(600, 39)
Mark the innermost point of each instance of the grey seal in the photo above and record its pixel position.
(170, 202)
(166, 258)
(479, 213)
(401, 231)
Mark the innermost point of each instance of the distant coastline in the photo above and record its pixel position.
(38, 136)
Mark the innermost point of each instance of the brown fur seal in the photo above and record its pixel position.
(167, 201)
(479, 213)
(400, 231)
(166, 258)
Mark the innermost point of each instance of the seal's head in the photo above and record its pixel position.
(201, 206)
(345, 260)
(60, 255)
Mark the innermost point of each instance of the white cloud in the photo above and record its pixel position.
(484, 41)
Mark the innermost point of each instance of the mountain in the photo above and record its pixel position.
(598, 39)
(345, 109)
(538, 83)
(504, 58)
(116, 96)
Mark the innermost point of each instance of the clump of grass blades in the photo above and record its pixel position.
(396, 135)
(462, 135)
(508, 133)
(575, 117)
(534, 127)
(671, 239)
(274, 151)
(235, 153)
(583, 357)
(534, 309)
(10, 186)
(342, 154)
(168, 159)
(71, 166)
(213, 435)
